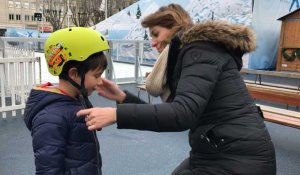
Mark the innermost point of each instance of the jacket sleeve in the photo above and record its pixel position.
(49, 134)
(130, 98)
(199, 74)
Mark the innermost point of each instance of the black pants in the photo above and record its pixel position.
(183, 168)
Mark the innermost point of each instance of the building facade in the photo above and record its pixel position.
(20, 13)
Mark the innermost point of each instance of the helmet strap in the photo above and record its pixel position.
(83, 96)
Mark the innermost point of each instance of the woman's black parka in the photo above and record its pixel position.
(209, 97)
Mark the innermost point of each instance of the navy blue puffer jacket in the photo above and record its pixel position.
(62, 144)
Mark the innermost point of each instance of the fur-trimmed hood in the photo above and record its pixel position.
(234, 37)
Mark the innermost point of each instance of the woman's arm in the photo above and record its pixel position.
(110, 90)
(199, 74)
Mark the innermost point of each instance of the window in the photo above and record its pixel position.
(33, 5)
(18, 5)
(26, 5)
(18, 17)
(10, 3)
(26, 17)
(11, 17)
(32, 18)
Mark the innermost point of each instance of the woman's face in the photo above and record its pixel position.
(159, 37)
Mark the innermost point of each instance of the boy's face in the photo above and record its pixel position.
(92, 79)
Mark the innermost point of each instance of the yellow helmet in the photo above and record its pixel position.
(76, 43)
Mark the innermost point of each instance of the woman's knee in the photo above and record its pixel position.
(185, 172)
(183, 167)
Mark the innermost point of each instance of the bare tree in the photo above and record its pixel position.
(86, 11)
(80, 13)
(55, 12)
(97, 13)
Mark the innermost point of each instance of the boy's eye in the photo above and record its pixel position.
(98, 75)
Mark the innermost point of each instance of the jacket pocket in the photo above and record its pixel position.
(202, 140)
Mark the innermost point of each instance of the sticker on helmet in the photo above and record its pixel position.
(57, 55)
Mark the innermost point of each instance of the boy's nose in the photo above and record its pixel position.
(100, 82)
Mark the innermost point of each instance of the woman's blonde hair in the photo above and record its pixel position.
(172, 16)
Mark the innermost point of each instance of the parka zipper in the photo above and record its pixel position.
(97, 151)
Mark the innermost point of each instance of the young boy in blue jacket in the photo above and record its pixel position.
(61, 142)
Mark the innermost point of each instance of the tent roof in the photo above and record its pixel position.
(285, 16)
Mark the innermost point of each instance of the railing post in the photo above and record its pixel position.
(2, 89)
(117, 54)
(141, 52)
(1, 48)
(137, 57)
(109, 70)
(40, 70)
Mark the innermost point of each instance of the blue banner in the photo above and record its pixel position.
(27, 33)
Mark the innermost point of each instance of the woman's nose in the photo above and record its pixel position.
(153, 43)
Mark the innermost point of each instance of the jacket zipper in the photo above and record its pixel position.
(85, 106)
(97, 150)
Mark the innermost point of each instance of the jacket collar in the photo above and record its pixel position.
(234, 37)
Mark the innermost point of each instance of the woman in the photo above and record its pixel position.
(203, 93)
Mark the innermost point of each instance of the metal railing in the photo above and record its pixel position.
(20, 69)
(137, 53)
(18, 74)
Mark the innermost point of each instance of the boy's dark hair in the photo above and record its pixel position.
(97, 60)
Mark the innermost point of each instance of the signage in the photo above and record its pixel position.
(38, 16)
(45, 28)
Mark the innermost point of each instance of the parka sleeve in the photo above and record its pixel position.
(198, 77)
(131, 98)
(49, 135)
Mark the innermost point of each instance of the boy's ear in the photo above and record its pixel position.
(73, 73)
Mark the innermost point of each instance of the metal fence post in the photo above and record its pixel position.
(109, 70)
(136, 65)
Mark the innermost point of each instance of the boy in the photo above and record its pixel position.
(62, 144)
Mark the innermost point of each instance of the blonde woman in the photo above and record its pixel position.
(197, 76)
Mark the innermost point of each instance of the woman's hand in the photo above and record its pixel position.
(97, 118)
(110, 90)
